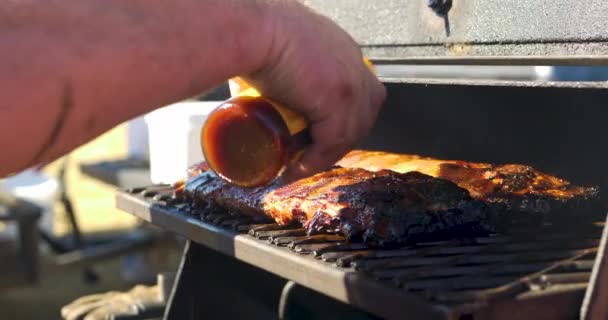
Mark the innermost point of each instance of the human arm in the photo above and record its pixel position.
(72, 69)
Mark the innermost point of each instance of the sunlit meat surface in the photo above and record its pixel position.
(515, 186)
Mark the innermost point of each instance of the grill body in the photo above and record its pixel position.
(529, 274)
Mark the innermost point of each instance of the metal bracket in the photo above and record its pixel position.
(300, 303)
(594, 304)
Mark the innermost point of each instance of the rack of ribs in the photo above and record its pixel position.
(514, 186)
(387, 198)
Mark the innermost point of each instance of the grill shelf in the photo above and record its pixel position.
(545, 270)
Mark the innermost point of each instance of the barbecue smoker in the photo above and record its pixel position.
(232, 269)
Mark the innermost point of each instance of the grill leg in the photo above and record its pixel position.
(28, 236)
(210, 285)
(300, 303)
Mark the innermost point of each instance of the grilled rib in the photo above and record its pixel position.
(514, 186)
(382, 207)
(387, 198)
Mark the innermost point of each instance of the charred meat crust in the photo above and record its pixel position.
(387, 198)
(381, 207)
(510, 186)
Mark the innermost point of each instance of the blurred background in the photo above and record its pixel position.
(94, 205)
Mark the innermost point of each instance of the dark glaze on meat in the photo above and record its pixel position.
(382, 207)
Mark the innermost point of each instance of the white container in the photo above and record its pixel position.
(137, 139)
(174, 138)
(37, 188)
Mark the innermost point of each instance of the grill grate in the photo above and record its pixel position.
(458, 273)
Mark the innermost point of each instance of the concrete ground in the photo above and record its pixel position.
(94, 205)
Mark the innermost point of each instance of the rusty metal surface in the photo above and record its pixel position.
(543, 270)
(408, 28)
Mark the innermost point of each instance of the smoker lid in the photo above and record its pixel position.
(543, 32)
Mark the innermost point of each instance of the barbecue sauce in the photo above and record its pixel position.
(248, 140)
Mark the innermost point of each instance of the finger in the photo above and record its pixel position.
(312, 162)
(366, 106)
(119, 310)
(336, 135)
(379, 93)
(81, 311)
(371, 103)
(332, 139)
(72, 310)
(93, 297)
(377, 96)
(364, 114)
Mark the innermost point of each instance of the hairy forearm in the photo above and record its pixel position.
(72, 69)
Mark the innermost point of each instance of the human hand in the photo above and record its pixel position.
(317, 69)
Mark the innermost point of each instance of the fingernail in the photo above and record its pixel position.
(302, 167)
